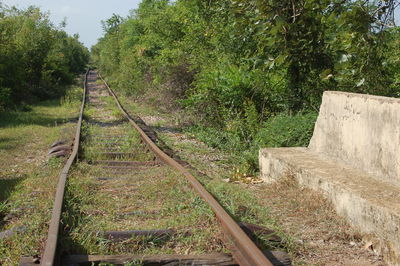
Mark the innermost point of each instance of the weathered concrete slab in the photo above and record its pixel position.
(370, 205)
(361, 130)
(353, 158)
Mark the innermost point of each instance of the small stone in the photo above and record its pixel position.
(368, 245)
(11, 232)
(257, 181)
(6, 234)
(317, 242)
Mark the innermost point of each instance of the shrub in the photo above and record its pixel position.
(284, 130)
(41, 57)
(4, 98)
(281, 130)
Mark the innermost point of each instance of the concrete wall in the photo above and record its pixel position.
(361, 130)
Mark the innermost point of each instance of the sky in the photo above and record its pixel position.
(83, 16)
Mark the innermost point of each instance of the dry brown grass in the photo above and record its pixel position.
(320, 236)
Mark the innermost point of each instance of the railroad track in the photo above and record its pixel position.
(124, 166)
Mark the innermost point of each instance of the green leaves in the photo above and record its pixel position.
(286, 130)
(236, 63)
(40, 56)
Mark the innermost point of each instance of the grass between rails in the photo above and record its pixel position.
(27, 179)
(127, 141)
(142, 199)
(155, 199)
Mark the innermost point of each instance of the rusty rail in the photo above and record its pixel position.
(244, 250)
(52, 236)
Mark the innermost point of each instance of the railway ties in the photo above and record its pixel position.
(130, 215)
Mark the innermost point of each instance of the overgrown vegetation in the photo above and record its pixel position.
(37, 59)
(27, 179)
(251, 72)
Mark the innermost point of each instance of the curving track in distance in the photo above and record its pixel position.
(243, 249)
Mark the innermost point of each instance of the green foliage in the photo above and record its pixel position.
(281, 130)
(42, 58)
(219, 92)
(285, 130)
(393, 61)
(235, 64)
(4, 97)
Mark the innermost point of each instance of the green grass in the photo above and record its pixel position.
(27, 179)
(128, 143)
(7, 186)
(153, 199)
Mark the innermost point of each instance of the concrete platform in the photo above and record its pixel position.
(364, 188)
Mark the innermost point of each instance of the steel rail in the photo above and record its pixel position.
(49, 254)
(244, 250)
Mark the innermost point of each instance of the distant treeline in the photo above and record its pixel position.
(252, 71)
(37, 59)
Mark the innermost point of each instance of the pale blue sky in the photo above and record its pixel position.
(83, 16)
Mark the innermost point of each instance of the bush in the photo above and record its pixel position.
(4, 98)
(281, 130)
(42, 58)
(285, 130)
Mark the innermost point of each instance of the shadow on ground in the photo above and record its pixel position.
(7, 186)
(30, 117)
(7, 143)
